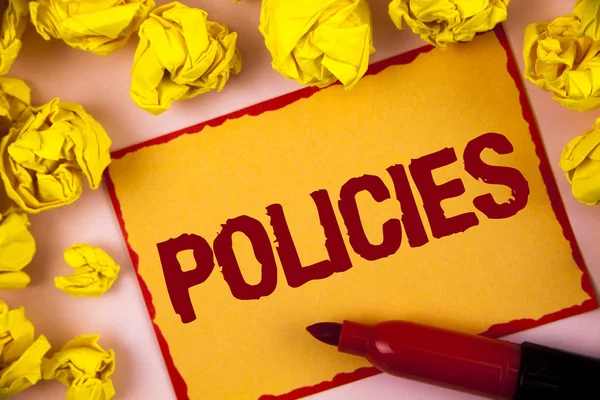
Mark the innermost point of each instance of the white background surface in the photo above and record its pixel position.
(101, 84)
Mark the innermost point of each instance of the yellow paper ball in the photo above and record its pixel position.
(20, 352)
(580, 160)
(181, 54)
(100, 26)
(44, 159)
(14, 22)
(440, 22)
(560, 59)
(84, 367)
(17, 248)
(588, 12)
(317, 42)
(15, 102)
(95, 271)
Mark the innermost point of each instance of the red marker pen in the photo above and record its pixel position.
(488, 367)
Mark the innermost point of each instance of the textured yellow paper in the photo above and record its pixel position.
(43, 158)
(15, 102)
(317, 42)
(95, 271)
(100, 26)
(13, 25)
(498, 271)
(559, 58)
(17, 247)
(180, 55)
(440, 22)
(588, 11)
(84, 367)
(581, 162)
(20, 355)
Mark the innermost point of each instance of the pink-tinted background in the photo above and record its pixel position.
(101, 84)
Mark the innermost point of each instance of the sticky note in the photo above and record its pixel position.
(423, 194)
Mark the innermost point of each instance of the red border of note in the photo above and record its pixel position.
(495, 331)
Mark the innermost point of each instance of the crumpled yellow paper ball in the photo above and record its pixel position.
(17, 248)
(15, 108)
(581, 162)
(95, 271)
(588, 11)
(559, 59)
(99, 26)
(440, 22)
(84, 367)
(317, 42)
(15, 102)
(181, 55)
(20, 355)
(44, 158)
(14, 22)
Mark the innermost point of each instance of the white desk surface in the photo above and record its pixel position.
(101, 84)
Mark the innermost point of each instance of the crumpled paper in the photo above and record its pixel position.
(100, 26)
(95, 271)
(440, 22)
(181, 55)
(15, 108)
(580, 160)
(317, 42)
(20, 355)
(84, 367)
(559, 59)
(42, 159)
(14, 23)
(15, 102)
(17, 248)
(588, 11)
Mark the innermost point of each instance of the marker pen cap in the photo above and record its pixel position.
(550, 374)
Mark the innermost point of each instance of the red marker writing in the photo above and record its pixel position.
(488, 367)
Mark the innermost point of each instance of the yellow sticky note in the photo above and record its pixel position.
(418, 195)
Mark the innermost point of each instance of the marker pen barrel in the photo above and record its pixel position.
(488, 367)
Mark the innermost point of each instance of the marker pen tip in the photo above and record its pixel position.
(326, 332)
